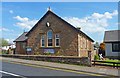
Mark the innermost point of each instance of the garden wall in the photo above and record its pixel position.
(61, 59)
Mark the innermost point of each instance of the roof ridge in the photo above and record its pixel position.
(112, 30)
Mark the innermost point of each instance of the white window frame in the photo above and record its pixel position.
(56, 39)
(42, 39)
(49, 38)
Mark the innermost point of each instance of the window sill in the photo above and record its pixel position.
(116, 51)
(50, 47)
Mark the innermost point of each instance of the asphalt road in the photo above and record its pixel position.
(10, 70)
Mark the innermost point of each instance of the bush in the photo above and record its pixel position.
(37, 53)
(47, 53)
(96, 57)
(57, 53)
(5, 52)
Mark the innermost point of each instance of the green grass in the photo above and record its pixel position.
(108, 60)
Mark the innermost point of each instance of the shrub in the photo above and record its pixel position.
(57, 53)
(96, 57)
(47, 53)
(5, 52)
(37, 53)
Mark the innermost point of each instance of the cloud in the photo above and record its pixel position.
(95, 23)
(25, 22)
(24, 19)
(106, 15)
(4, 29)
(11, 11)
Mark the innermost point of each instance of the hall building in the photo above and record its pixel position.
(53, 35)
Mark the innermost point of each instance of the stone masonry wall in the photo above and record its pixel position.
(68, 36)
(84, 45)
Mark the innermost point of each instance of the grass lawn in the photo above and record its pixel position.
(108, 60)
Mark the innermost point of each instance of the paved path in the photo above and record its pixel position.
(92, 70)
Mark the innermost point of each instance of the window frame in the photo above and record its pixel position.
(42, 36)
(113, 49)
(56, 40)
(49, 38)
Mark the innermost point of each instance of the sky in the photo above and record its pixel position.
(94, 18)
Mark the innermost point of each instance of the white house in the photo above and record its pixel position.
(5, 48)
(112, 43)
(12, 46)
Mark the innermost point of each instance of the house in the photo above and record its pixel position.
(52, 34)
(9, 48)
(112, 43)
(21, 43)
(12, 46)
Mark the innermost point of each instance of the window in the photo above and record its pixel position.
(42, 41)
(116, 47)
(49, 38)
(57, 40)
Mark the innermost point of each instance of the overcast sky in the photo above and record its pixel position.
(93, 17)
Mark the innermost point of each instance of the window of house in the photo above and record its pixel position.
(49, 38)
(57, 40)
(42, 41)
(116, 47)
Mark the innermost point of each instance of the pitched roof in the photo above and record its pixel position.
(21, 37)
(48, 12)
(112, 36)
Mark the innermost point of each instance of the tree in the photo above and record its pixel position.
(102, 49)
(3, 42)
(102, 46)
(96, 45)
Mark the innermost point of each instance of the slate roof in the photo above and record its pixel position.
(21, 37)
(48, 12)
(112, 36)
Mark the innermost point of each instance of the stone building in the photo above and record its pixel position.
(51, 34)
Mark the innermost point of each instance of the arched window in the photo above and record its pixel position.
(49, 38)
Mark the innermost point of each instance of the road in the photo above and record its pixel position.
(17, 70)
